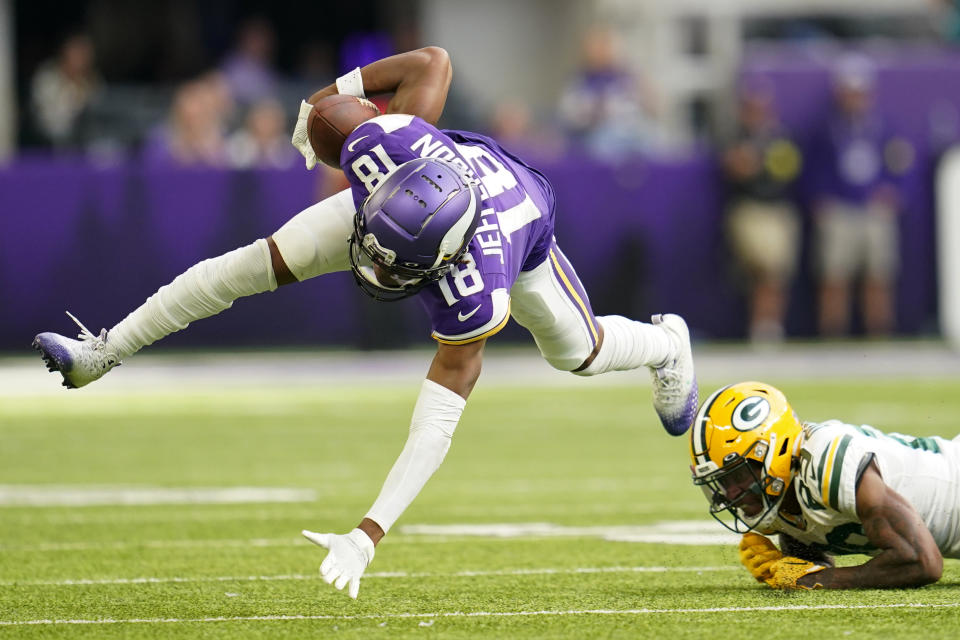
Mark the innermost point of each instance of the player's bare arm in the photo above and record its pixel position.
(419, 81)
(910, 557)
(457, 367)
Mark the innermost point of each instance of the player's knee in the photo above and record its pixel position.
(565, 352)
(299, 251)
(564, 345)
(587, 371)
(564, 362)
(314, 241)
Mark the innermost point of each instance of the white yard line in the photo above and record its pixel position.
(546, 571)
(485, 614)
(687, 532)
(682, 532)
(86, 496)
(154, 544)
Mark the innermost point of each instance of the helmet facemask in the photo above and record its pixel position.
(742, 495)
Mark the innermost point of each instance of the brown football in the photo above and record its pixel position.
(330, 122)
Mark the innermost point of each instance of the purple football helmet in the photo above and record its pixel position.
(414, 225)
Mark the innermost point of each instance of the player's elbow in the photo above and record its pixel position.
(926, 567)
(435, 59)
(930, 567)
(437, 55)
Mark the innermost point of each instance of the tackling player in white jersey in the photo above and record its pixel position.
(448, 216)
(827, 488)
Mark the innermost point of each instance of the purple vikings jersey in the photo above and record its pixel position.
(516, 217)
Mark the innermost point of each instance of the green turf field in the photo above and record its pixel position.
(598, 493)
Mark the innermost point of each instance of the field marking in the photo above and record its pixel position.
(686, 532)
(485, 614)
(681, 532)
(74, 496)
(546, 571)
(193, 512)
(156, 544)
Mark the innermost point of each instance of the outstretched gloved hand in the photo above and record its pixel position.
(350, 554)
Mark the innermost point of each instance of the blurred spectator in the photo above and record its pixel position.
(194, 133)
(605, 108)
(513, 125)
(62, 88)
(218, 92)
(945, 17)
(249, 68)
(855, 211)
(761, 164)
(264, 140)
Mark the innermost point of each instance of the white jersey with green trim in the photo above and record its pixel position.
(833, 457)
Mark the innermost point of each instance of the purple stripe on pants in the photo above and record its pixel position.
(567, 277)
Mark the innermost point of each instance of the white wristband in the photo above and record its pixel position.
(351, 84)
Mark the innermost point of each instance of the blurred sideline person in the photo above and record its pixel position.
(826, 488)
(856, 229)
(605, 108)
(761, 164)
(262, 140)
(194, 133)
(249, 67)
(448, 216)
(62, 88)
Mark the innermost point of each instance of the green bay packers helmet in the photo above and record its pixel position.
(744, 445)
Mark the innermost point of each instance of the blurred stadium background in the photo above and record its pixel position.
(139, 138)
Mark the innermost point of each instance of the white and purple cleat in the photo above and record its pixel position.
(675, 394)
(80, 362)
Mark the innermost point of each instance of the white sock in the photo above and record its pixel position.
(628, 344)
(203, 290)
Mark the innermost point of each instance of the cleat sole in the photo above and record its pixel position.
(51, 362)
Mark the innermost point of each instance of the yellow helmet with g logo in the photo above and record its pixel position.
(744, 445)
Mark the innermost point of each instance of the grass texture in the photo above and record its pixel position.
(580, 461)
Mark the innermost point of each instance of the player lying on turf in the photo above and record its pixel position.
(826, 488)
(448, 216)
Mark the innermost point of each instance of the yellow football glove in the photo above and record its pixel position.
(787, 570)
(758, 555)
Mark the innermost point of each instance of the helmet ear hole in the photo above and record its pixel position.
(783, 449)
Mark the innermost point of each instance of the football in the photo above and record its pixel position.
(330, 122)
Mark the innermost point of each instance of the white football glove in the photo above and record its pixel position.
(300, 139)
(350, 554)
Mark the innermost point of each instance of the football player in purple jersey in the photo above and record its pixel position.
(448, 216)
